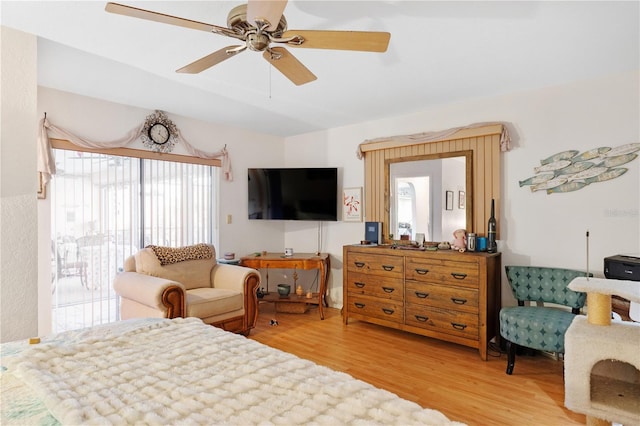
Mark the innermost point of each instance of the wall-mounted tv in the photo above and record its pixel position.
(293, 194)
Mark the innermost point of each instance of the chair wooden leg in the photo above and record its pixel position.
(511, 356)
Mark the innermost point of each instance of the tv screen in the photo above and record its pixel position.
(293, 194)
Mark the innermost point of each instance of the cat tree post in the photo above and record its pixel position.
(598, 313)
(599, 308)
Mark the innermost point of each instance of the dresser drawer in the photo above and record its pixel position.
(391, 266)
(443, 272)
(456, 323)
(441, 296)
(388, 310)
(373, 285)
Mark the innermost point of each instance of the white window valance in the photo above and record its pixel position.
(426, 137)
(47, 164)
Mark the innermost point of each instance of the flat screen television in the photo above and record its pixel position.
(293, 194)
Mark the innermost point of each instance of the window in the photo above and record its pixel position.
(104, 209)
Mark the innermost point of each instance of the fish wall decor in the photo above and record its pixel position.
(571, 170)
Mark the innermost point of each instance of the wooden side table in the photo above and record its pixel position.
(305, 261)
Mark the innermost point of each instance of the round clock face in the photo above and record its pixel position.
(159, 133)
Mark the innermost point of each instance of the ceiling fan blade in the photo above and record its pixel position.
(134, 12)
(269, 10)
(289, 65)
(211, 60)
(366, 41)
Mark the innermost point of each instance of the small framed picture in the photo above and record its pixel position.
(352, 204)
(461, 199)
(449, 200)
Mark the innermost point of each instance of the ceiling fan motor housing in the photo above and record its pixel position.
(237, 21)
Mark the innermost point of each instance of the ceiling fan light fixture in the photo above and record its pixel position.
(258, 42)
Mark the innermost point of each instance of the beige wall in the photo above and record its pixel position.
(536, 228)
(18, 230)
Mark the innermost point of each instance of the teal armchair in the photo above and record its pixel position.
(537, 326)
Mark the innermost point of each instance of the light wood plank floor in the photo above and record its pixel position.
(439, 375)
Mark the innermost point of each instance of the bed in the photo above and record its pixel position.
(182, 371)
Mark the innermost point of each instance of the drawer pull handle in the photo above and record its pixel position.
(458, 275)
(359, 305)
(458, 326)
(422, 295)
(388, 289)
(388, 267)
(421, 318)
(422, 271)
(388, 311)
(359, 264)
(359, 284)
(458, 301)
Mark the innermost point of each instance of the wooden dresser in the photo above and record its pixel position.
(446, 295)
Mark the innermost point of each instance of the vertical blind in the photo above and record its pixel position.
(104, 209)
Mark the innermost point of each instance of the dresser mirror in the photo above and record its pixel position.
(429, 195)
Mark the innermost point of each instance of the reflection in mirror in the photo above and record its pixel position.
(417, 200)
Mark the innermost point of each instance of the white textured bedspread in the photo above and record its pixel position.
(184, 372)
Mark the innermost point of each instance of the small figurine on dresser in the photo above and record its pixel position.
(460, 241)
(444, 245)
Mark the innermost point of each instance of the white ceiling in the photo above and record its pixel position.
(440, 52)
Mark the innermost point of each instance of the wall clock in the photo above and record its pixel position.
(159, 133)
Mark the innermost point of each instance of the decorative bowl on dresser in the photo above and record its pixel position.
(446, 295)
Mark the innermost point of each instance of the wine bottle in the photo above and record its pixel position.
(492, 247)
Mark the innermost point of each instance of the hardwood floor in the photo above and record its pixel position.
(439, 375)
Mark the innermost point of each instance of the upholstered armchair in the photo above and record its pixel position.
(170, 282)
(538, 326)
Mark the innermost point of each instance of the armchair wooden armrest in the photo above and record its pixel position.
(240, 278)
(156, 293)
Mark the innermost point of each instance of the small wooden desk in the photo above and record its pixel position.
(305, 261)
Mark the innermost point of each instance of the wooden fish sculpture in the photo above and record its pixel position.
(589, 173)
(590, 154)
(569, 171)
(567, 187)
(549, 184)
(549, 167)
(564, 155)
(618, 160)
(622, 150)
(534, 180)
(608, 175)
(575, 168)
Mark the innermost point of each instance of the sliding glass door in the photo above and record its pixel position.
(104, 209)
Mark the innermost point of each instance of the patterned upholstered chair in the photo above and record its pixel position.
(537, 326)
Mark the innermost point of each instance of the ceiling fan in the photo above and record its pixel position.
(258, 24)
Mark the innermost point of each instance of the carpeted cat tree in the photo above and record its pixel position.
(602, 357)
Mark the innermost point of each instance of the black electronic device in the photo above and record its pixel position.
(622, 267)
(293, 193)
